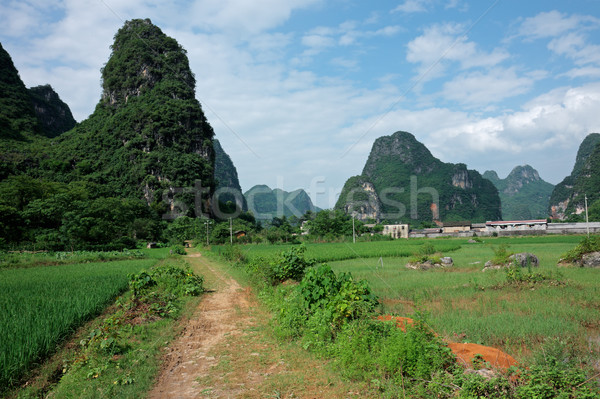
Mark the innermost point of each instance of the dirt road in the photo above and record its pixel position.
(221, 312)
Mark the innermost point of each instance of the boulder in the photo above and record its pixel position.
(447, 261)
(590, 260)
(429, 264)
(491, 266)
(524, 259)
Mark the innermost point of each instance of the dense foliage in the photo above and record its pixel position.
(523, 194)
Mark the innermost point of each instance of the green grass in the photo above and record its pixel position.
(41, 306)
(466, 304)
(326, 252)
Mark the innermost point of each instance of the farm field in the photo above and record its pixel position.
(40, 306)
(468, 305)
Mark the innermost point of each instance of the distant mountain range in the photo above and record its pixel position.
(523, 194)
(402, 181)
(568, 197)
(266, 203)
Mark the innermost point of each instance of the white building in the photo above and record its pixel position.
(395, 230)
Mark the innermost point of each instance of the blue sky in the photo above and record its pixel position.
(298, 90)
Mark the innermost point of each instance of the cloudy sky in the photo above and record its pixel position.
(298, 90)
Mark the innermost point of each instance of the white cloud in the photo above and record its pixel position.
(574, 46)
(481, 88)
(447, 42)
(412, 6)
(553, 24)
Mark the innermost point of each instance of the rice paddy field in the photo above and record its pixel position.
(40, 306)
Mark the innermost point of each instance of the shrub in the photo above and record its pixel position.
(291, 264)
(177, 250)
(368, 348)
(501, 254)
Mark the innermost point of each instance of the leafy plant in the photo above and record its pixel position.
(501, 254)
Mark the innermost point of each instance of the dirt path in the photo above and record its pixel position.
(226, 351)
(220, 313)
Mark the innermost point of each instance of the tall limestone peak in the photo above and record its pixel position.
(403, 148)
(523, 193)
(403, 181)
(148, 132)
(143, 57)
(54, 115)
(568, 198)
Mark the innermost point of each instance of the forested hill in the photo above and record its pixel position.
(111, 179)
(568, 197)
(401, 181)
(523, 193)
(266, 204)
(226, 179)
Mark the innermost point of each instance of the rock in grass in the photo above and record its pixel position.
(590, 260)
(524, 259)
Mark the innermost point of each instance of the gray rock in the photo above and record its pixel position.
(447, 261)
(590, 260)
(490, 266)
(524, 259)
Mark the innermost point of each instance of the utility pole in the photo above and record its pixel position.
(230, 231)
(587, 222)
(206, 223)
(353, 233)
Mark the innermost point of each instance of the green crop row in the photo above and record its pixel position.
(40, 306)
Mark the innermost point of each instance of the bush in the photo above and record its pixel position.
(288, 265)
(177, 250)
(322, 303)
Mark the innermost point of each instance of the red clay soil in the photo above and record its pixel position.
(495, 357)
(464, 352)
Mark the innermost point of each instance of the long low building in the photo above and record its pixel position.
(517, 225)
